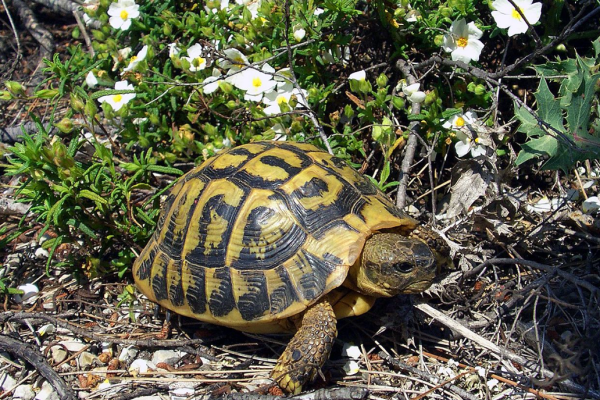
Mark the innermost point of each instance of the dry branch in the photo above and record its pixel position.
(32, 356)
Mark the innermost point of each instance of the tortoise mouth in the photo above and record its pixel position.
(418, 286)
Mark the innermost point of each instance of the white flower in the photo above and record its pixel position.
(234, 62)
(466, 145)
(196, 59)
(251, 5)
(280, 133)
(91, 79)
(412, 15)
(135, 60)
(461, 124)
(255, 82)
(351, 367)
(413, 94)
(173, 49)
(358, 76)
(351, 350)
(117, 101)
(299, 34)
(275, 99)
(463, 41)
(212, 82)
(235, 59)
(343, 54)
(122, 12)
(318, 11)
(506, 16)
(591, 205)
(47, 329)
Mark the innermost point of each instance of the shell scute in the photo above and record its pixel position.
(260, 232)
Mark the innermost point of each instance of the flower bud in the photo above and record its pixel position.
(480, 90)
(15, 88)
(348, 111)
(46, 93)
(382, 80)
(226, 87)
(76, 103)
(65, 125)
(98, 35)
(90, 109)
(398, 102)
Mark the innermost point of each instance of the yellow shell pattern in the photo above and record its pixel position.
(258, 233)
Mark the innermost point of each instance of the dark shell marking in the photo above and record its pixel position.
(260, 232)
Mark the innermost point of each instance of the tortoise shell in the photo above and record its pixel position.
(260, 232)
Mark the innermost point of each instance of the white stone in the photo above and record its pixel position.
(169, 357)
(183, 393)
(29, 295)
(23, 392)
(47, 392)
(13, 260)
(73, 346)
(7, 382)
(58, 354)
(86, 359)
(127, 354)
(43, 238)
(140, 366)
(41, 253)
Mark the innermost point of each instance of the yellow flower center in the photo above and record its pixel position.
(281, 100)
(239, 61)
(462, 42)
(124, 15)
(460, 122)
(256, 82)
(132, 59)
(198, 61)
(515, 14)
(476, 140)
(117, 98)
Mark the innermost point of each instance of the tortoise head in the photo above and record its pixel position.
(392, 264)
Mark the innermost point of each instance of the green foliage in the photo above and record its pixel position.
(140, 105)
(560, 130)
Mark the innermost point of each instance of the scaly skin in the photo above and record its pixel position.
(391, 264)
(308, 350)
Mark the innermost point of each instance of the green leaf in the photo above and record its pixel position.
(580, 108)
(93, 196)
(82, 227)
(549, 107)
(165, 170)
(545, 145)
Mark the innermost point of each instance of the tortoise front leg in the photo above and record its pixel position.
(308, 350)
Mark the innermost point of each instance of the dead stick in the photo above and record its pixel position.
(32, 356)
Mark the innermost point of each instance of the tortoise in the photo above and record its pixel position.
(277, 236)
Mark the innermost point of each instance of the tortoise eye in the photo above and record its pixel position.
(403, 267)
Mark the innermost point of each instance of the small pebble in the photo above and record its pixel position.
(23, 392)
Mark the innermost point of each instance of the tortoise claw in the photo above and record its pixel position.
(308, 350)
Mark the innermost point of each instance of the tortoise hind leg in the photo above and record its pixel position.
(308, 350)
